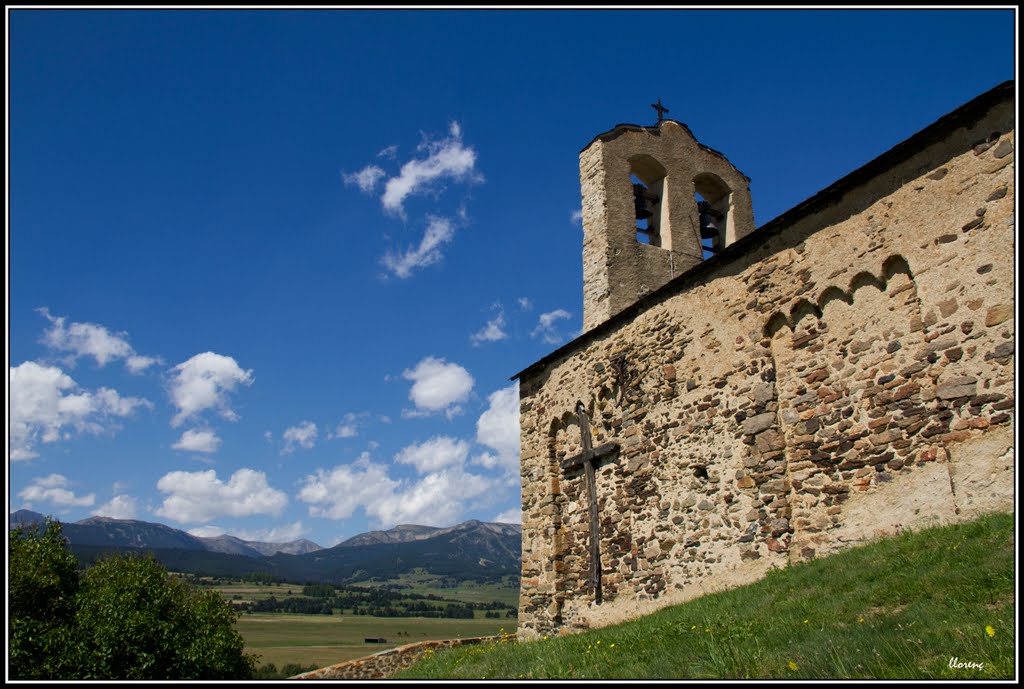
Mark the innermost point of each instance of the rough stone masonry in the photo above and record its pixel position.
(841, 373)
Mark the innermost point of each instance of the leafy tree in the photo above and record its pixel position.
(43, 585)
(318, 590)
(263, 578)
(123, 618)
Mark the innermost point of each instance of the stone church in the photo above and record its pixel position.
(742, 398)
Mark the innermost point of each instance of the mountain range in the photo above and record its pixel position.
(470, 550)
(129, 533)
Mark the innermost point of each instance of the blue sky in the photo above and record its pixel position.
(271, 271)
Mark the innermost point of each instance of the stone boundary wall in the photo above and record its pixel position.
(386, 663)
(843, 376)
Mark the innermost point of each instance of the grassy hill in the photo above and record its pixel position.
(938, 603)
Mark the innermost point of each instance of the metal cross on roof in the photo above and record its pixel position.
(661, 109)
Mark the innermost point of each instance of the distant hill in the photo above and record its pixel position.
(106, 532)
(473, 550)
(404, 533)
(26, 517)
(230, 544)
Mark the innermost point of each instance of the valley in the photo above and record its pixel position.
(306, 640)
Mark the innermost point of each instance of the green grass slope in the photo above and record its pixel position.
(938, 603)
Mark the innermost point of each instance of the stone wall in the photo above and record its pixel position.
(384, 664)
(842, 373)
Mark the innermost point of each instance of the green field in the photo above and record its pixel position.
(324, 640)
(507, 591)
(243, 592)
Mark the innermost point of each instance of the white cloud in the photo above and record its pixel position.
(366, 179)
(447, 158)
(52, 481)
(204, 382)
(348, 427)
(280, 534)
(47, 406)
(89, 339)
(346, 430)
(492, 332)
(438, 386)
(198, 441)
(439, 232)
(199, 496)
(434, 454)
(338, 493)
(54, 489)
(119, 507)
(576, 217)
(444, 159)
(511, 516)
(437, 499)
(546, 329)
(303, 435)
(524, 303)
(137, 363)
(498, 429)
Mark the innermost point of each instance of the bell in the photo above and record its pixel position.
(641, 199)
(708, 215)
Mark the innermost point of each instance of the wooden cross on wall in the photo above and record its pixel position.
(587, 459)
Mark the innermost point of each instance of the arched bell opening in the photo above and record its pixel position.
(714, 201)
(648, 179)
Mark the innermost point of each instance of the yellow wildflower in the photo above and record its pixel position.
(792, 666)
(989, 630)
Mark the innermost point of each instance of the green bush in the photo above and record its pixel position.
(123, 618)
(270, 671)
